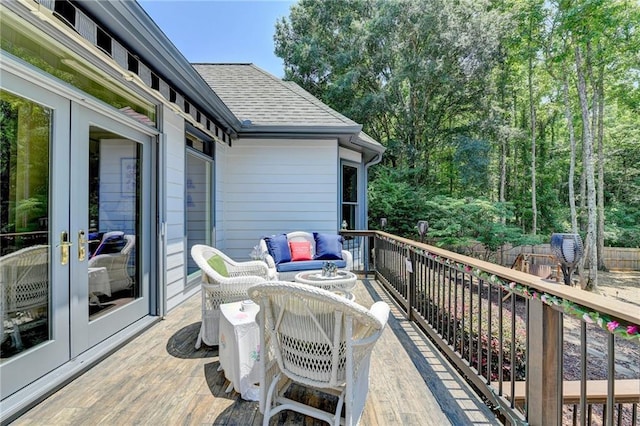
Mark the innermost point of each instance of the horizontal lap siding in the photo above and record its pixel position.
(276, 186)
(175, 267)
(221, 197)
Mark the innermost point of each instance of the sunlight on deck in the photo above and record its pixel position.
(160, 378)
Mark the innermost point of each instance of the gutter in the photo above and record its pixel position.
(261, 131)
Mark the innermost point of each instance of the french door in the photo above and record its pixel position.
(75, 210)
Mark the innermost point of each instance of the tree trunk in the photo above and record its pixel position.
(572, 163)
(591, 240)
(503, 169)
(601, 265)
(503, 153)
(532, 112)
(582, 205)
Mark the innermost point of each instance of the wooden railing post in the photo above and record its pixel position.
(544, 365)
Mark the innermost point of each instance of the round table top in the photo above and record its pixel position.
(343, 282)
(316, 276)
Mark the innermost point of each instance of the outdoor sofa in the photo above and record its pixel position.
(298, 251)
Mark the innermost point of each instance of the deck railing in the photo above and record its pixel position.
(539, 352)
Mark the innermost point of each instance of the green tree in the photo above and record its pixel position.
(480, 101)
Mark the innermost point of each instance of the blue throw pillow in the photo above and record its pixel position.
(278, 247)
(328, 246)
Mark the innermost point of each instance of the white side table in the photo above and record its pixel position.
(343, 282)
(239, 348)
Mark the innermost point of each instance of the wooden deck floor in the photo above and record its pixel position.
(159, 378)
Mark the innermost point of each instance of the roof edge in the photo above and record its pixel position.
(367, 142)
(329, 130)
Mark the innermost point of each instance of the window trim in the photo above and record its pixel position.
(209, 159)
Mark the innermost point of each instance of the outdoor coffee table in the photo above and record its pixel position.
(343, 282)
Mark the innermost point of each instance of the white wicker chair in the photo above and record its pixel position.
(316, 339)
(217, 289)
(117, 265)
(24, 284)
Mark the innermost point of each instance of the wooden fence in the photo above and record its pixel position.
(615, 258)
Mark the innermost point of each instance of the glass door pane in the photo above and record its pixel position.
(198, 206)
(25, 132)
(114, 221)
(34, 214)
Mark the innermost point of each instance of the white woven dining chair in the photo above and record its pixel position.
(316, 339)
(218, 289)
(117, 265)
(24, 285)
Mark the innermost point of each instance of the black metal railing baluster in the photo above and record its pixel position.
(470, 355)
(611, 370)
(479, 333)
(583, 373)
(441, 296)
(489, 335)
(512, 348)
(449, 287)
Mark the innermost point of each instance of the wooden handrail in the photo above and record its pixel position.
(627, 391)
(541, 395)
(597, 302)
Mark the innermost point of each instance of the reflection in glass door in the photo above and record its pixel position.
(25, 131)
(114, 221)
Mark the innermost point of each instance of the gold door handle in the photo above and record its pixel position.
(64, 247)
(82, 249)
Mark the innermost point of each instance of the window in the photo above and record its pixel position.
(103, 40)
(198, 195)
(133, 65)
(66, 11)
(350, 196)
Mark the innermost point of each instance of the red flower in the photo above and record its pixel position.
(612, 325)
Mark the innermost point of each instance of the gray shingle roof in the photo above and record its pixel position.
(255, 95)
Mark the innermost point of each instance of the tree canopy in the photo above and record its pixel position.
(509, 103)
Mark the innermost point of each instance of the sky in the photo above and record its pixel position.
(220, 31)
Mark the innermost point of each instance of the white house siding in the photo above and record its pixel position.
(220, 169)
(276, 186)
(174, 153)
